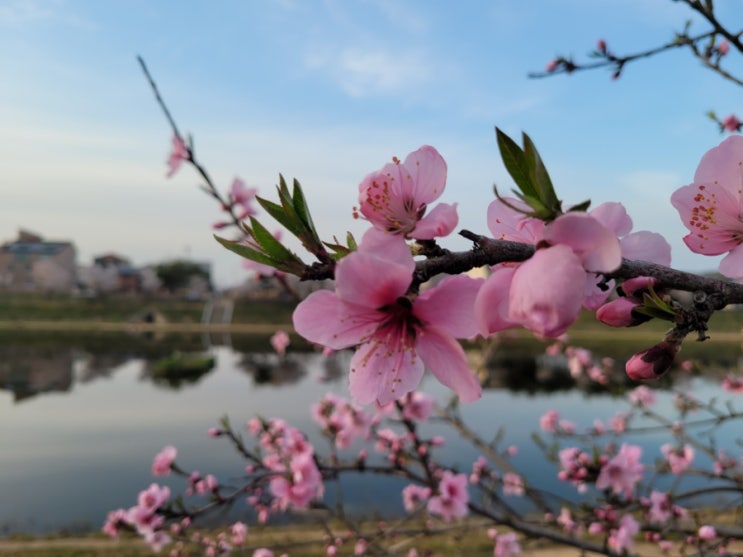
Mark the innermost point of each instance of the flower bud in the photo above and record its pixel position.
(601, 46)
(653, 362)
(619, 313)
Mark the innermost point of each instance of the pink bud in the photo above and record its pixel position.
(552, 65)
(653, 362)
(601, 46)
(724, 47)
(731, 123)
(619, 313)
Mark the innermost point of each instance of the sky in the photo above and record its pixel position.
(327, 91)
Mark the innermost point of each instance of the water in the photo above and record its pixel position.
(79, 426)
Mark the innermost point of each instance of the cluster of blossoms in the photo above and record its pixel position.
(399, 331)
(399, 326)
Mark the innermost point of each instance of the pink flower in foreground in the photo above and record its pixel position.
(573, 248)
(395, 198)
(451, 502)
(396, 334)
(279, 342)
(164, 460)
(710, 206)
(178, 154)
(622, 472)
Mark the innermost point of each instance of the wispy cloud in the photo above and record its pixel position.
(363, 73)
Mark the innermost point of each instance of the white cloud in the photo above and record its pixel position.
(364, 73)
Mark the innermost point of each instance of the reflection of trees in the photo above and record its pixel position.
(100, 365)
(178, 369)
(26, 371)
(270, 368)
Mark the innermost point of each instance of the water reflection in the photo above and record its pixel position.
(112, 416)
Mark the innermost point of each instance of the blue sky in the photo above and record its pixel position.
(327, 91)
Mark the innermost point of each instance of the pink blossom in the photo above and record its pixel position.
(179, 153)
(549, 420)
(731, 123)
(239, 532)
(547, 308)
(513, 484)
(164, 460)
(551, 65)
(732, 383)
(661, 508)
(601, 46)
(262, 552)
(622, 538)
(679, 459)
(395, 198)
(622, 472)
(244, 196)
(640, 245)
(709, 206)
(280, 340)
(298, 486)
(413, 496)
(417, 406)
(642, 396)
(360, 547)
(397, 334)
(506, 545)
(451, 501)
(707, 532)
(723, 47)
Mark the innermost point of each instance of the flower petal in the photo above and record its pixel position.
(450, 306)
(596, 245)
(427, 169)
(325, 319)
(732, 264)
(547, 291)
(383, 375)
(491, 304)
(446, 359)
(506, 223)
(367, 280)
(646, 246)
(613, 216)
(440, 221)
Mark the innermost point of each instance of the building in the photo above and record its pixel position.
(32, 264)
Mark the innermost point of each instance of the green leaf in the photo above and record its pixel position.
(516, 164)
(270, 245)
(246, 251)
(583, 206)
(540, 177)
(278, 212)
(300, 206)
